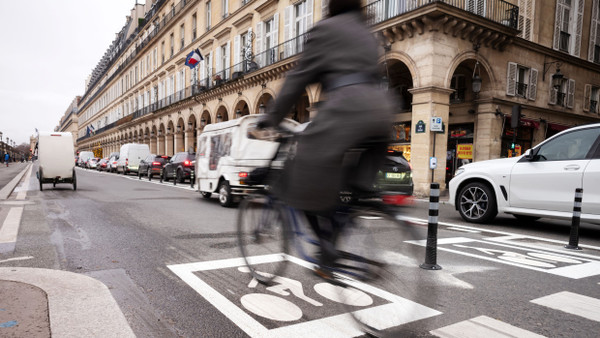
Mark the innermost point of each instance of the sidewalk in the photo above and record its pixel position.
(52, 303)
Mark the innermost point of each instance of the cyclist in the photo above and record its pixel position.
(6, 158)
(340, 54)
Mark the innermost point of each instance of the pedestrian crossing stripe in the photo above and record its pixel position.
(572, 303)
(483, 326)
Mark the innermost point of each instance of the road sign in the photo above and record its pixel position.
(436, 124)
(420, 127)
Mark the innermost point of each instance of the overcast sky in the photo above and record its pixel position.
(49, 47)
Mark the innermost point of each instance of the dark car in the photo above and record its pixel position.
(180, 166)
(393, 182)
(152, 165)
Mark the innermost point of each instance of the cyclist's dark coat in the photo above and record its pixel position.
(336, 47)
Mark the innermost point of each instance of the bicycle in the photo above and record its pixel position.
(266, 227)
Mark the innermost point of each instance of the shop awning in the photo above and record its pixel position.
(525, 123)
(557, 127)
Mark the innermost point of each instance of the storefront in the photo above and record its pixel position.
(522, 137)
(401, 138)
(460, 147)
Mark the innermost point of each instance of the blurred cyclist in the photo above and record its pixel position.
(340, 54)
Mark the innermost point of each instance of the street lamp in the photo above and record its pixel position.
(238, 114)
(219, 117)
(557, 78)
(202, 122)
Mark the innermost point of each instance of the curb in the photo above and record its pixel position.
(79, 306)
(7, 190)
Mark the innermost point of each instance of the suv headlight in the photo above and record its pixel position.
(459, 171)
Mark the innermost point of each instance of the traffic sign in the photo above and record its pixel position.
(436, 124)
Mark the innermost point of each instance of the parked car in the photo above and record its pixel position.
(179, 167)
(393, 182)
(130, 156)
(540, 183)
(93, 162)
(112, 163)
(102, 165)
(152, 165)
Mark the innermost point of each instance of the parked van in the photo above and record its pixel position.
(55, 155)
(225, 154)
(83, 157)
(130, 156)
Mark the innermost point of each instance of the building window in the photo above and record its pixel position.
(594, 45)
(172, 40)
(564, 94)
(162, 51)
(591, 97)
(458, 84)
(476, 6)
(270, 41)
(225, 7)
(521, 81)
(568, 26)
(208, 15)
(194, 26)
(182, 35)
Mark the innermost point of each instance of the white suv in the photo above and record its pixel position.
(540, 183)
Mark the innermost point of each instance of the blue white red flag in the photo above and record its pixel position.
(193, 58)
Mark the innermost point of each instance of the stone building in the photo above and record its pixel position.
(68, 122)
(470, 63)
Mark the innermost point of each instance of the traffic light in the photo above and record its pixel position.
(512, 146)
(516, 116)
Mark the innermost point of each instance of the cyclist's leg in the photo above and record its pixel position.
(263, 232)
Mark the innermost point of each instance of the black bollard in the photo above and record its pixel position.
(161, 175)
(432, 224)
(574, 236)
(192, 179)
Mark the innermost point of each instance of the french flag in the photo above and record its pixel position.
(193, 58)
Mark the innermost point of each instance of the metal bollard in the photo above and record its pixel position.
(574, 236)
(175, 179)
(432, 224)
(192, 179)
(161, 175)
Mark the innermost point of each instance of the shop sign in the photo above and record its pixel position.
(517, 151)
(464, 151)
(420, 127)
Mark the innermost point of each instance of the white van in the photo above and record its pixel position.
(130, 156)
(225, 154)
(83, 157)
(56, 159)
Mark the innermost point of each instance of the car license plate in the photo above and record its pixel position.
(394, 175)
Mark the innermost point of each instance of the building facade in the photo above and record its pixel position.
(68, 122)
(468, 63)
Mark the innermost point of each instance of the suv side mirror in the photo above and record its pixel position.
(529, 154)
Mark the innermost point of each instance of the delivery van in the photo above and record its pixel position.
(83, 157)
(55, 158)
(225, 156)
(130, 156)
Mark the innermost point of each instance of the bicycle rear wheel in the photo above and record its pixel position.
(263, 237)
(378, 272)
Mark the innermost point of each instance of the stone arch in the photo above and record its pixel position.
(221, 115)
(205, 118)
(400, 80)
(395, 56)
(487, 73)
(242, 106)
(191, 134)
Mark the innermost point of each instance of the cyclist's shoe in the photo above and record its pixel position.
(324, 273)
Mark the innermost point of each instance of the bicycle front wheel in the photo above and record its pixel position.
(378, 272)
(263, 237)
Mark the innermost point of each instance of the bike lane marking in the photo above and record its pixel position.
(483, 326)
(505, 251)
(572, 303)
(340, 325)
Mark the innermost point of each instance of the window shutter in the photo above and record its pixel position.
(557, 26)
(258, 37)
(227, 60)
(209, 65)
(275, 30)
(287, 30)
(553, 95)
(571, 93)
(183, 79)
(309, 14)
(236, 53)
(578, 28)
(202, 71)
(593, 30)
(218, 60)
(587, 93)
(511, 79)
(532, 93)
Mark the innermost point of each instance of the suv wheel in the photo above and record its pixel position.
(165, 177)
(477, 203)
(225, 198)
(180, 177)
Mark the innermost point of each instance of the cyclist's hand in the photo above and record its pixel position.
(266, 134)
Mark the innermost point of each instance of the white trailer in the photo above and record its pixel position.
(56, 158)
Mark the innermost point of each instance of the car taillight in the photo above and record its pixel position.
(242, 174)
(155, 163)
(187, 163)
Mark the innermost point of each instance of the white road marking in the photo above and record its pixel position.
(483, 326)
(16, 259)
(271, 307)
(522, 256)
(10, 229)
(334, 326)
(573, 303)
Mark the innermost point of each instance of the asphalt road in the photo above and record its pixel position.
(171, 261)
